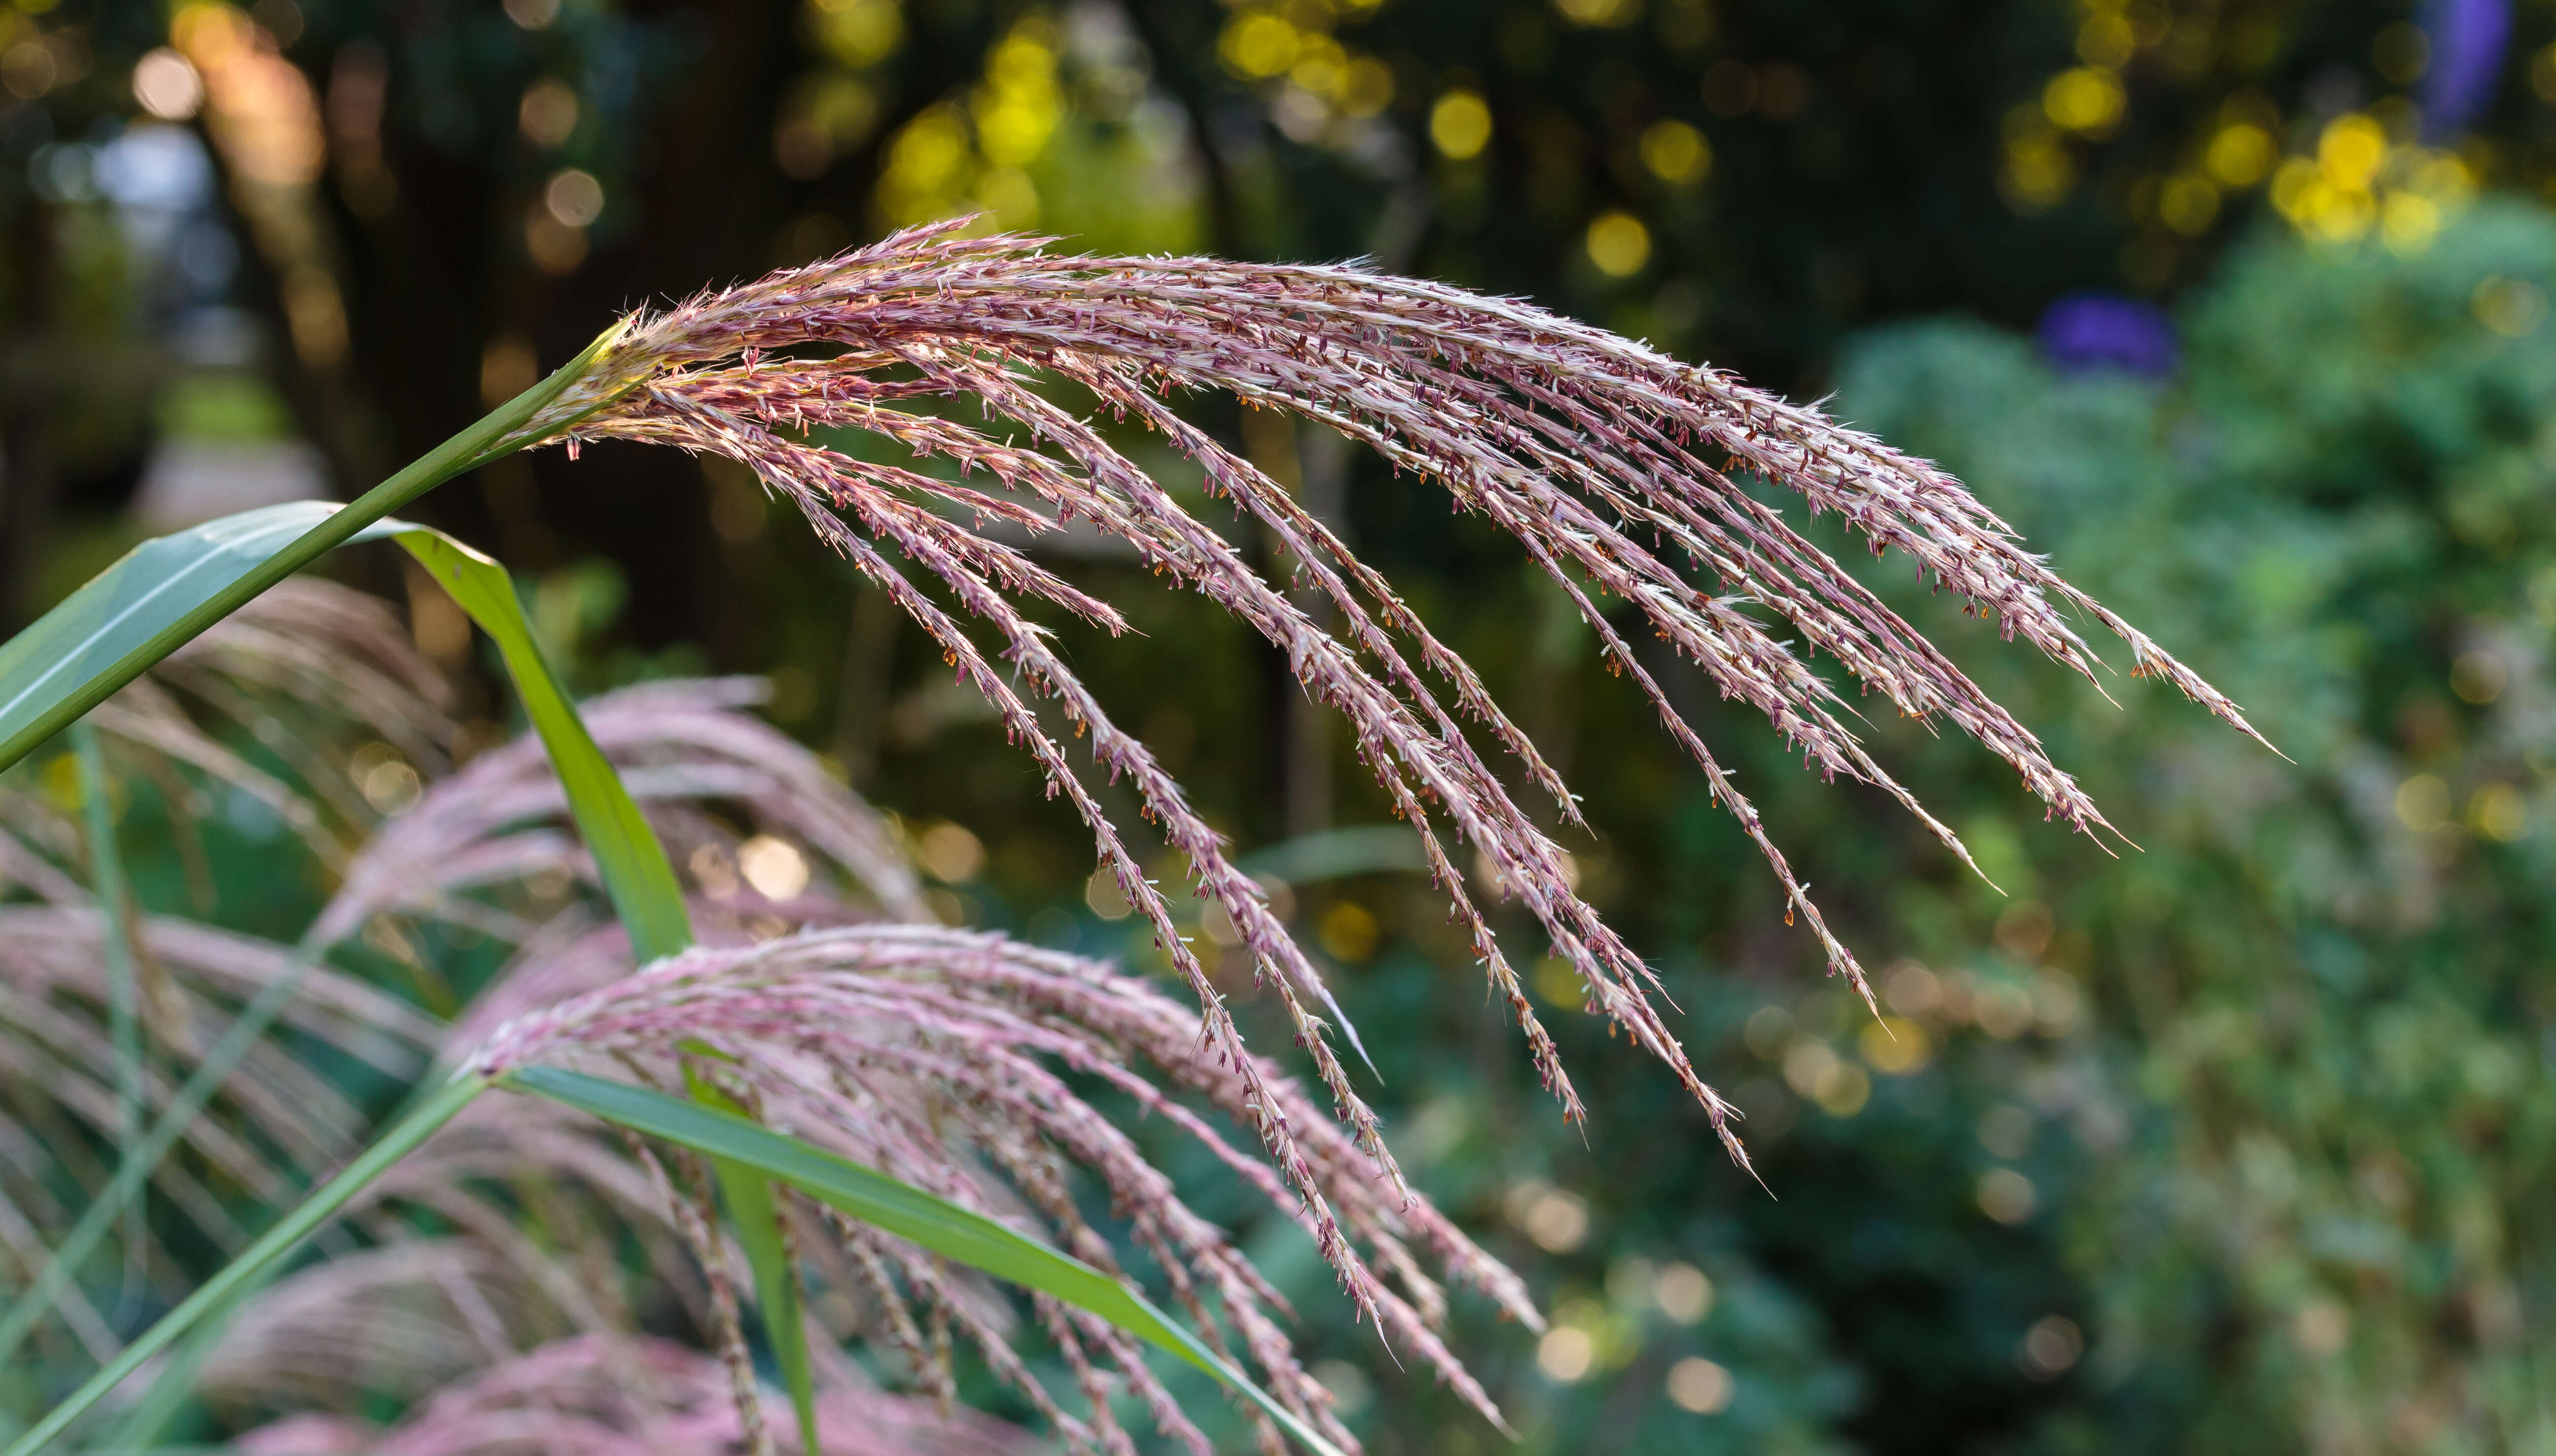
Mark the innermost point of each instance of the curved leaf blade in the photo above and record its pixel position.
(120, 609)
(636, 875)
(165, 591)
(90, 635)
(898, 1208)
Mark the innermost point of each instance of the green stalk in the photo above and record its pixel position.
(115, 904)
(473, 447)
(145, 1154)
(278, 1241)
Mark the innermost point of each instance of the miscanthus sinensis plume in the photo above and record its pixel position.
(949, 1060)
(1617, 469)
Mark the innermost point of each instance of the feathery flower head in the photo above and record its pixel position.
(1614, 466)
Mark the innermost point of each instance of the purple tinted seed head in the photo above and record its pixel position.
(1617, 469)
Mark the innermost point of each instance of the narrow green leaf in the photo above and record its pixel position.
(649, 901)
(123, 999)
(160, 580)
(898, 1208)
(646, 896)
(754, 1206)
(642, 885)
(167, 591)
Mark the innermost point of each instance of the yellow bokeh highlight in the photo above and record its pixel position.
(975, 157)
(1349, 931)
(1367, 89)
(858, 33)
(1321, 65)
(1676, 153)
(2240, 155)
(2187, 204)
(1619, 244)
(2359, 182)
(1009, 193)
(2499, 812)
(1324, 80)
(1018, 107)
(2513, 308)
(2423, 803)
(1460, 125)
(1558, 984)
(929, 154)
(2407, 223)
(1598, 13)
(2105, 40)
(2089, 99)
(2351, 150)
(1258, 45)
(1894, 1045)
(2038, 171)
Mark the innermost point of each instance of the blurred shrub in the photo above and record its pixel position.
(2321, 991)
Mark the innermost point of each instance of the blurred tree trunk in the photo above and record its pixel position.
(27, 466)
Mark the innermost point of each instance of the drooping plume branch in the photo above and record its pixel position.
(941, 1057)
(1582, 445)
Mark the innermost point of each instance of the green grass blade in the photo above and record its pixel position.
(157, 580)
(642, 885)
(252, 1261)
(908, 1212)
(647, 898)
(165, 592)
(754, 1206)
(124, 1026)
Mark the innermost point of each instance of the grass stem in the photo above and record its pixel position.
(123, 995)
(252, 1261)
(481, 443)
